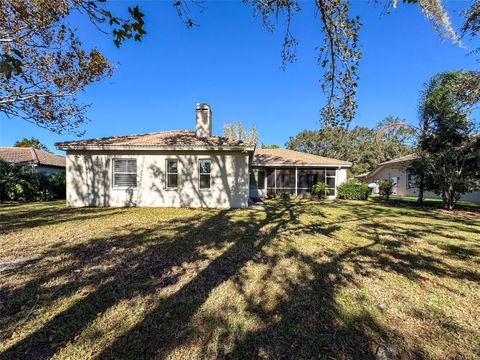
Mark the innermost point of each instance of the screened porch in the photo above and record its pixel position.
(268, 181)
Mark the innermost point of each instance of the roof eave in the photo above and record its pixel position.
(300, 165)
(67, 147)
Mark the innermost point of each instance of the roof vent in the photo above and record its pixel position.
(204, 120)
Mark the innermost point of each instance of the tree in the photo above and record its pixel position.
(321, 190)
(32, 142)
(449, 148)
(273, 146)
(43, 65)
(237, 132)
(385, 188)
(357, 145)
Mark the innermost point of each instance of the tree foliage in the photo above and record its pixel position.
(32, 142)
(357, 145)
(385, 188)
(43, 64)
(449, 148)
(237, 132)
(273, 146)
(21, 183)
(321, 190)
(352, 190)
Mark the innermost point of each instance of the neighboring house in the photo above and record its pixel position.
(187, 169)
(41, 161)
(404, 184)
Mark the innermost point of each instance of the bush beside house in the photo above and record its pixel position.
(21, 183)
(352, 190)
(385, 188)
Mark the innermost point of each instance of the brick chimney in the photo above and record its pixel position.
(204, 120)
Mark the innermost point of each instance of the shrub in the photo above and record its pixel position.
(58, 184)
(385, 188)
(283, 195)
(321, 189)
(20, 183)
(352, 190)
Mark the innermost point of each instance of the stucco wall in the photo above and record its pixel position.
(90, 178)
(387, 172)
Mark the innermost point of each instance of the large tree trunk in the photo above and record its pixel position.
(421, 189)
(449, 198)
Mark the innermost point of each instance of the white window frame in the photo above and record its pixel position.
(168, 173)
(200, 174)
(114, 172)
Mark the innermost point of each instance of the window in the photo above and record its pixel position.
(205, 168)
(172, 174)
(411, 181)
(261, 179)
(125, 173)
(257, 179)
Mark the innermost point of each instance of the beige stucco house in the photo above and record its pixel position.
(186, 168)
(403, 183)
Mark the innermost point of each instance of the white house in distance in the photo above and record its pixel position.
(403, 183)
(186, 168)
(42, 162)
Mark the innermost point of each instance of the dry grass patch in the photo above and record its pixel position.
(304, 279)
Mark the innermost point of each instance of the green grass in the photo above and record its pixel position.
(305, 279)
(436, 203)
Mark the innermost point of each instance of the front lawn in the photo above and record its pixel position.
(305, 279)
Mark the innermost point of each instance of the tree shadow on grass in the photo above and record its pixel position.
(306, 321)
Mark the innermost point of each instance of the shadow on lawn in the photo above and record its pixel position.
(304, 323)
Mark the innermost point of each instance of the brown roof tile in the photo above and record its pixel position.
(180, 138)
(400, 159)
(291, 157)
(26, 155)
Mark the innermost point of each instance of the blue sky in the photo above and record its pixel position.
(231, 62)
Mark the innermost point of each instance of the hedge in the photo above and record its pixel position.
(352, 190)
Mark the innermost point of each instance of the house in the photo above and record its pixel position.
(186, 168)
(42, 162)
(404, 184)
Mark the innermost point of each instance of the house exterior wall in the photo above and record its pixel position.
(399, 171)
(90, 179)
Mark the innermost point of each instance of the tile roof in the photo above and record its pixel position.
(27, 155)
(400, 159)
(291, 157)
(181, 138)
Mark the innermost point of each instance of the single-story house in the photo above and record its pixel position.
(186, 168)
(404, 184)
(42, 162)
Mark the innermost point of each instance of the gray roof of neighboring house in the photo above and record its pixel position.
(398, 160)
(285, 157)
(28, 155)
(162, 139)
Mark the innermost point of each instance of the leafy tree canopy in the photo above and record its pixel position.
(449, 146)
(238, 132)
(357, 145)
(31, 142)
(273, 146)
(43, 64)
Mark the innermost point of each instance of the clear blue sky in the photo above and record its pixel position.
(233, 63)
